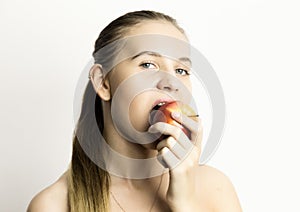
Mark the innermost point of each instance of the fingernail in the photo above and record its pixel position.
(176, 114)
(152, 130)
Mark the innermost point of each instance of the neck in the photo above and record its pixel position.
(144, 191)
(136, 184)
(127, 159)
(120, 144)
(127, 148)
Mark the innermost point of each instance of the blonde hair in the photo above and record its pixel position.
(88, 184)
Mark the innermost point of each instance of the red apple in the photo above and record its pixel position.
(163, 114)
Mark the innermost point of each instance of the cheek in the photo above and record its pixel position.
(139, 114)
(117, 76)
(187, 83)
(114, 81)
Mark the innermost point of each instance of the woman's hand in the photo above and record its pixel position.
(181, 156)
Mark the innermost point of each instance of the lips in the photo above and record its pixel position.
(162, 111)
(160, 102)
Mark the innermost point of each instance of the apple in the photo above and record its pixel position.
(163, 114)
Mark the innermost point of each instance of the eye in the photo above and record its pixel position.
(148, 65)
(182, 72)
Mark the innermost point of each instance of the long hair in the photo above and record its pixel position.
(88, 184)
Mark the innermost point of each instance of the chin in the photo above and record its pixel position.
(151, 146)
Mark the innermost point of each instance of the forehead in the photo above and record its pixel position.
(160, 27)
(161, 44)
(159, 37)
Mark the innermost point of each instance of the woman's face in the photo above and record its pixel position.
(173, 74)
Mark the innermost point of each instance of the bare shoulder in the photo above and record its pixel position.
(217, 190)
(52, 198)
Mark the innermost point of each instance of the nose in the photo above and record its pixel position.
(168, 83)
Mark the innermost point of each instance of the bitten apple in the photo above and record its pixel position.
(163, 114)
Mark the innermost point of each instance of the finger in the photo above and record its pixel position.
(168, 158)
(174, 146)
(198, 137)
(194, 126)
(176, 132)
(188, 122)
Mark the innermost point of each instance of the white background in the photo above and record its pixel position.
(252, 45)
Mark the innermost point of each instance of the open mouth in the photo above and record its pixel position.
(160, 102)
(156, 107)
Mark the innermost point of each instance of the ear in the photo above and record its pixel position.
(100, 82)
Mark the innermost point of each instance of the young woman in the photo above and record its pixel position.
(96, 183)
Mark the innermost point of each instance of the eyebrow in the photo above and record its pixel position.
(155, 54)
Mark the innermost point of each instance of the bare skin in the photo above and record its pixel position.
(52, 198)
(215, 193)
(188, 187)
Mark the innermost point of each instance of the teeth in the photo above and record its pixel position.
(161, 103)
